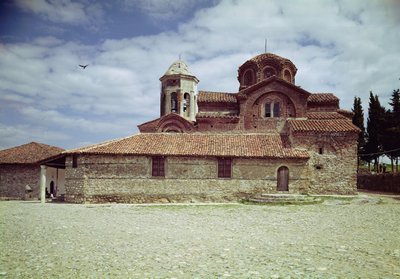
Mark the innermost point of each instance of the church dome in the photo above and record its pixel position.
(264, 66)
(179, 67)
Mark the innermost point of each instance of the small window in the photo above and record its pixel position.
(277, 110)
(321, 150)
(74, 161)
(158, 167)
(268, 110)
(186, 103)
(174, 102)
(224, 167)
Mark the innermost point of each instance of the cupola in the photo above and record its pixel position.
(264, 66)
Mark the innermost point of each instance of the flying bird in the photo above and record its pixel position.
(83, 66)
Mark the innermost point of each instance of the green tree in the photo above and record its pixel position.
(358, 120)
(375, 130)
(391, 138)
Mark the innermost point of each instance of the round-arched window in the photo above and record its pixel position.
(248, 77)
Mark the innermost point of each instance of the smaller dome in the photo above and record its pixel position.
(179, 67)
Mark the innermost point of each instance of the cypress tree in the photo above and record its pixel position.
(358, 120)
(392, 134)
(375, 129)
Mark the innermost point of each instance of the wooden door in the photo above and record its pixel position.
(283, 179)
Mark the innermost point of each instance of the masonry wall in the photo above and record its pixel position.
(335, 170)
(14, 178)
(187, 179)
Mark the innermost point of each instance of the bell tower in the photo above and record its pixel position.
(179, 91)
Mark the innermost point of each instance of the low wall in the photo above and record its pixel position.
(384, 182)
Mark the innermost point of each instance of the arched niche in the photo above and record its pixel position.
(249, 77)
(287, 75)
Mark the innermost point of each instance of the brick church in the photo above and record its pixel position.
(271, 136)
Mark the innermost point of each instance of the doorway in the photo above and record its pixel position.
(283, 179)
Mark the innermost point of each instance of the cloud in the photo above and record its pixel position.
(344, 47)
(161, 9)
(65, 11)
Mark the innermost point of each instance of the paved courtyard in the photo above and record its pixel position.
(338, 238)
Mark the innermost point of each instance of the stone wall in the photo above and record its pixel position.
(334, 171)
(128, 179)
(14, 178)
(384, 182)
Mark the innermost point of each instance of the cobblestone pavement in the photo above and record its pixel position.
(339, 238)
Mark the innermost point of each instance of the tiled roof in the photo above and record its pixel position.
(216, 97)
(213, 145)
(213, 114)
(29, 153)
(324, 115)
(346, 113)
(323, 98)
(264, 56)
(327, 125)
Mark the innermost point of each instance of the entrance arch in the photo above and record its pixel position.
(283, 179)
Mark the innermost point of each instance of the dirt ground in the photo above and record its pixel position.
(339, 238)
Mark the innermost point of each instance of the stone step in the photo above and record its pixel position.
(283, 198)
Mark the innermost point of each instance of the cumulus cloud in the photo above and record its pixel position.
(344, 47)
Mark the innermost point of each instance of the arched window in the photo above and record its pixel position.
(269, 72)
(287, 76)
(248, 77)
(174, 102)
(268, 110)
(186, 104)
(272, 109)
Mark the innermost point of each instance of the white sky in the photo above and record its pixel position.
(345, 47)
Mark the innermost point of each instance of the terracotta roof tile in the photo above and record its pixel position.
(265, 56)
(213, 114)
(216, 97)
(215, 145)
(323, 98)
(327, 125)
(324, 115)
(30, 153)
(346, 113)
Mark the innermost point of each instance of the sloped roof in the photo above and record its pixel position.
(30, 153)
(271, 80)
(268, 55)
(323, 98)
(216, 114)
(325, 115)
(326, 125)
(216, 97)
(213, 145)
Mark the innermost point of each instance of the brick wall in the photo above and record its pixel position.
(14, 178)
(128, 179)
